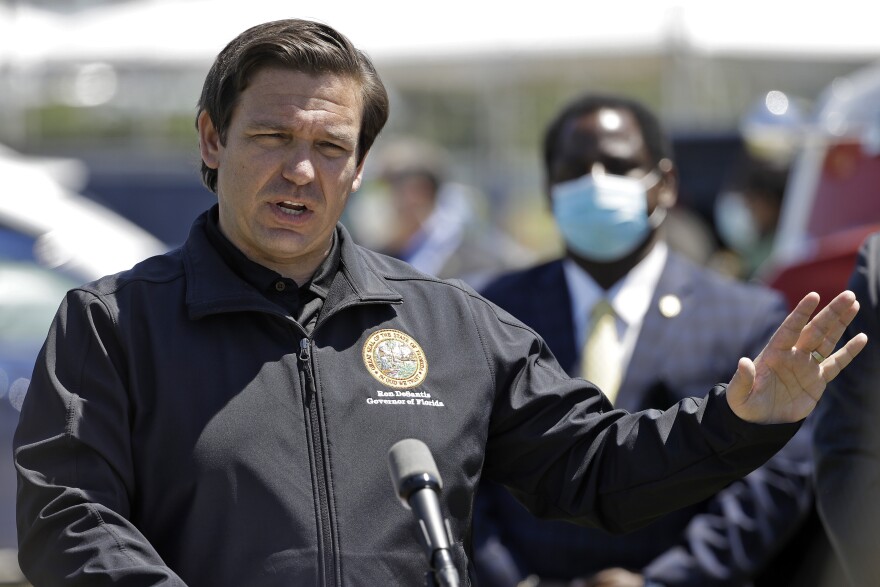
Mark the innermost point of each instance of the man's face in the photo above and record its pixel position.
(608, 140)
(288, 166)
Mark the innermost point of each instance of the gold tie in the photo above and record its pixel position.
(600, 362)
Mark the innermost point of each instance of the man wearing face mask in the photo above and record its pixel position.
(623, 310)
(747, 212)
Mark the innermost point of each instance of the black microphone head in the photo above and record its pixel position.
(412, 467)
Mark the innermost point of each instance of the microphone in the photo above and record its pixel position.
(418, 484)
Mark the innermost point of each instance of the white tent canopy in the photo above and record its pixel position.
(196, 30)
(704, 62)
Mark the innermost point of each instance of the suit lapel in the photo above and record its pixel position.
(552, 316)
(656, 354)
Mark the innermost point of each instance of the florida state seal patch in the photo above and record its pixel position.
(395, 359)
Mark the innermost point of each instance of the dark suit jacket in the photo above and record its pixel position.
(719, 542)
(847, 436)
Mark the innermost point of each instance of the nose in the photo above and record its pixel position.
(298, 166)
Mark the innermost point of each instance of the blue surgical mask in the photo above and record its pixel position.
(735, 223)
(605, 217)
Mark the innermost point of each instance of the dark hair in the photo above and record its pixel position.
(658, 145)
(301, 45)
(410, 157)
(759, 177)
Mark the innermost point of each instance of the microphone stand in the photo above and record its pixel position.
(443, 572)
(417, 482)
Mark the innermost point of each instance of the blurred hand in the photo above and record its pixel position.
(785, 382)
(615, 577)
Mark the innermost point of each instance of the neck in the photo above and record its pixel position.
(301, 271)
(606, 274)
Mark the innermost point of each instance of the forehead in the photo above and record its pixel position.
(281, 96)
(611, 132)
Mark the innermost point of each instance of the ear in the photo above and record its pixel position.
(667, 197)
(668, 193)
(548, 195)
(210, 146)
(359, 174)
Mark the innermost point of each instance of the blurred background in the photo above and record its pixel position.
(774, 108)
(113, 84)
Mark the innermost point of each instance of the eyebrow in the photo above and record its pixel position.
(272, 125)
(265, 125)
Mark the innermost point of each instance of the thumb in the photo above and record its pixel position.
(740, 385)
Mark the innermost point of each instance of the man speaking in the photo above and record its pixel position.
(221, 415)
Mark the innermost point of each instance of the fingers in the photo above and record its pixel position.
(823, 332)
(833, 365)
(790, 331)
(740, 387)
(742, 381)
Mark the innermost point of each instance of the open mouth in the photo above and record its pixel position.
(291, 208)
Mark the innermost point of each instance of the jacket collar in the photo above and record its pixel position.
(358, 280)
(212, 287)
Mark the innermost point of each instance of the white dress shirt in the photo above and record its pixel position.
(630, 297)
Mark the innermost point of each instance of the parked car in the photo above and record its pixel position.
(51, 240)
(833, 196)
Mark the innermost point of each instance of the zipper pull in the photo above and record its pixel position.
(305, 356)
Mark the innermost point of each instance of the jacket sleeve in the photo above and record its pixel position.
(72, 452)
(561, 449)
(846, 439)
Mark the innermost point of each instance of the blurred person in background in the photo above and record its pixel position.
(675, 328)
(415, 212)
(749, 205)
(847, 439)
(747, 214)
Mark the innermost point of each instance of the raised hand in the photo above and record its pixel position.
(789, 376)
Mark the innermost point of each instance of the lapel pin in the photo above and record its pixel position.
(670, 306)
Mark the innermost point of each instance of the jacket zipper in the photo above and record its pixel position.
(327, 540)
